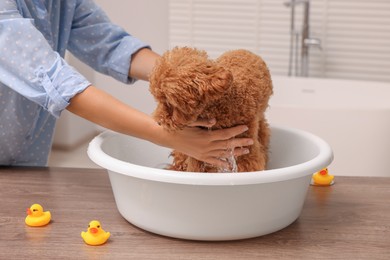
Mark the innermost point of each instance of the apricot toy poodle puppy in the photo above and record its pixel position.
(234, 89)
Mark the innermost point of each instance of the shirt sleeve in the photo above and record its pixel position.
(29, 66)
(101, 44)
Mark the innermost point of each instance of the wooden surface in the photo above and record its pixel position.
(350, 220)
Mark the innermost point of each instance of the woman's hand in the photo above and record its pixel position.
(210, 146)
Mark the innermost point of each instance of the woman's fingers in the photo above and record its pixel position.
(227, 133)
(230, 144)
(229, 152)
(224, 139)
(235, 142)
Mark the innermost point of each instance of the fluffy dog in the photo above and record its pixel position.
(234, 89)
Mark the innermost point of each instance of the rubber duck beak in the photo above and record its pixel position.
(29, 211)
(93, 230)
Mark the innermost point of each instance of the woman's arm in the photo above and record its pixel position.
(209, 146)
(142, 63)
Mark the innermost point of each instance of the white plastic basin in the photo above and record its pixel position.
(210, 206)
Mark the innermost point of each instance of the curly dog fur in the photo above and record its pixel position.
(234, 89)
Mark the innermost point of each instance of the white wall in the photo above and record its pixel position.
(148, 21)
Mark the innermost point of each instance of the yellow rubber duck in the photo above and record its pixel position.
(95, 235)
(36, 217)
(322, 178)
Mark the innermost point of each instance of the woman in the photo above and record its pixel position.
(36, 83)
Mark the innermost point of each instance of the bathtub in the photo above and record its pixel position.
(209, 206)
(352, 116)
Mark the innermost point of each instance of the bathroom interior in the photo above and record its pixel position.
(329, 59)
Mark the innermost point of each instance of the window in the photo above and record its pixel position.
(355, 34)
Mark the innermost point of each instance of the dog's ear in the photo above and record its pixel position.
(183, 82)
(215, 83)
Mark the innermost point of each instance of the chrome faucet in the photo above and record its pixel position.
(303, 37)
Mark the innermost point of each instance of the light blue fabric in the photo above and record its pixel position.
(36, 83)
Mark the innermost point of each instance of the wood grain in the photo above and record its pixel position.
(350, 220)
